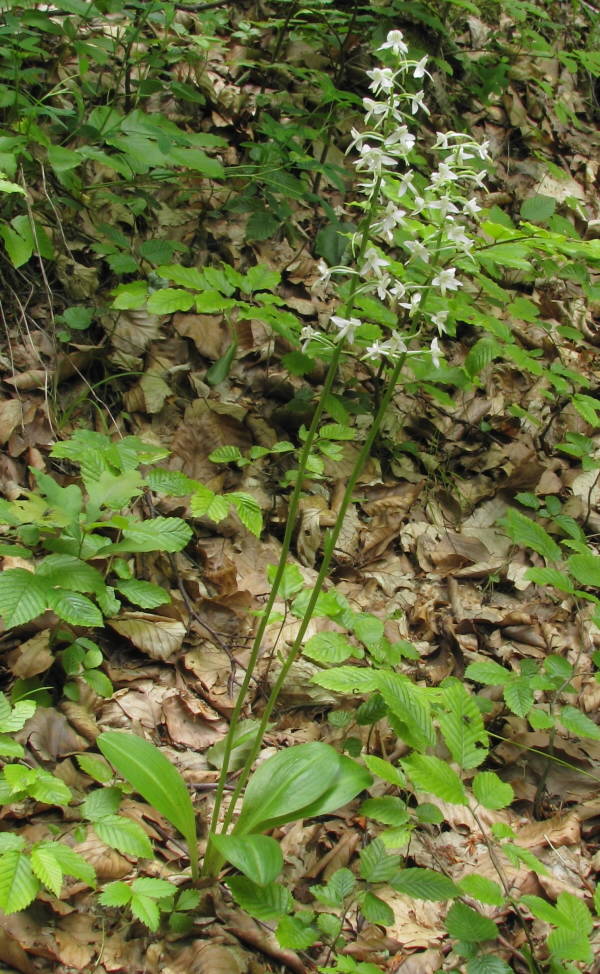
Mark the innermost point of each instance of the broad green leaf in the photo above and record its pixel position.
(462, 726)
(13, 718)
(156, 780)
(550, 576)
(156, 888)
(258, 857)
(18, 885)
(488, 673)
(491, 792)
(388, 809)
(348, 679)
(571, 945)
(168, 300)
(259, 278)
(292, 580)
(376, 910)
(431, 774)
(517, 855)
(480, 355)
(184, 276)
(488, 964)
(518, 695)
(69, 572)
(586, 569)
(226, 454)
(23, 596)
(466, 924)
(124, 835)
(144, 908)
(144, 594)
(115, 894)
(350, 780)
(286, 783)
(154, 534)
(222, 367)
(369, 629)
(74, 608)
(524, 531)
(538, 209)
(94, 766)
(172, 482)
(296, 933)
(385, 770)
(101, 802)
(248, 510)
(329, 648)
(424, 884)
(410, 705)
(573, 912)
(579, 723)
(376, 864)
(72, 864)
(339, 886)
(266, 903)
(483, 889)
(49, 789)
(47, 869)
(244, 738)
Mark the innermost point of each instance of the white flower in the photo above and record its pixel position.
(443, 174)
(373, 159)
(382, 79)
(324, 272)
(383, 287)
(395, 43)
(446, 281)
(372, 263)
(306, 336)
(393, 217)
(346, 327)
(400, 140)
(417, 250)
(471, 207)
(375, 109)
(417, 103)
(436, 352)
(456, 235)
(395, 345)
(375, 351)
(412, 306)
(444, 204)
(404, 183)
(439, 320)
(420, 71)
(397, 291)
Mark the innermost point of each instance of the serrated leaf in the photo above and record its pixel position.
(586, 569)
(49, 789)
(329, 648)
(567, 944)
(95, 767)
(579, 723)
(550, 576)
(385, 770)
(226, 454)
(424, 884)
(168, 300)
(348, 679)
(172, 482)
(480, 355)
(431, 774)
(124, 835)
(488, 673)
(18, 885)
(538, 208)
(248, 510)
(340, 885)
(158, 889)
(258, 857)
(376, 910)
(491, 792)
(376, 864)
(466, 924)
(462, 727)
(266, 903)
(516, 854)
(388, 809)
(292, 580)
(74, 608)
(410, 705)
(157, 781)
(154, 534)
(23, 596)
(144, 594)
(144, 908)
(524, 531)
(101, 802)
(47, 869)
(518, 695)
(115, 894)
(69, 572)
(483, 889)
(488, 964)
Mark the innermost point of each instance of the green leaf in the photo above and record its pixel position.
(286, 783)
(487, 964)
(388, 809)
(491, 792)
(568, 944)
(586, 569)
(69, 572)
(23, 596)
(266, 903)
(115, 894)
(488, 673)
(516, 854)
(339, 886)
(45, 866)
(144, 908)
(124, 835)
(551, 576)
(410, 705)
(258, 857)
(248, 511)
(226, 454)
(296, 932)
(158, 889)
(462, 726)
(480, 355)
(154, 534)
(483, 889)
(466, 924)
(292, 580)
(573, 912)
(329, 648)
(376, 864)
(260, 278)
(385, 770)
(95, 767)
(431, 774)
(524, 531)
(72, 864)
(101, 802)
(375, 910)
(369, 629)
(348, 679)
(579, 723)
(518, 695)
(424, 884)
(144, 594)
(74, 608)
(172, 482)
(156, 780)
(538, 209)
(218, 372)
(18, 885)
(49, 789)
(168, 300)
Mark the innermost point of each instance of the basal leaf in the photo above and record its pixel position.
(258, 857)
(156, 780)
(266, 903)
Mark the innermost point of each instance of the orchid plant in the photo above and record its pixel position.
(412, 245)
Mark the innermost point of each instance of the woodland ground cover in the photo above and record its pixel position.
(301, 465)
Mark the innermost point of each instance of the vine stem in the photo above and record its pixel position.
(211, 862)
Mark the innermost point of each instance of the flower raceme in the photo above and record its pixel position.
(429, 232)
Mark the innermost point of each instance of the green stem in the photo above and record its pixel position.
(211, 862)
